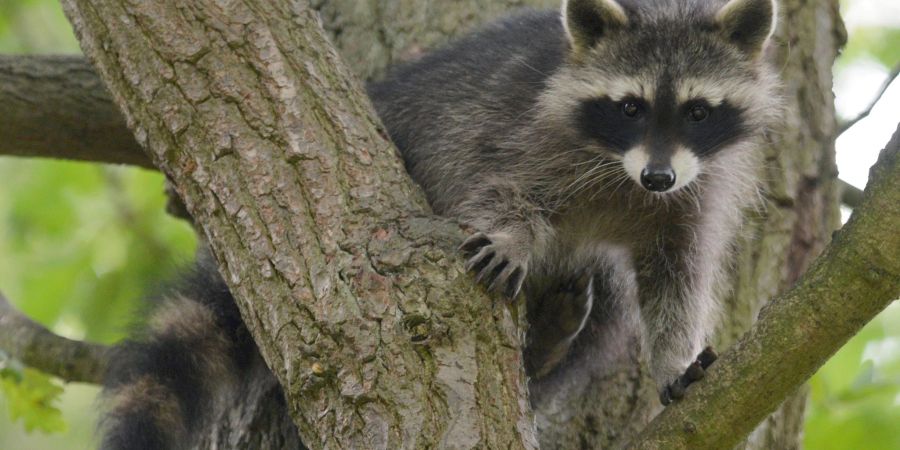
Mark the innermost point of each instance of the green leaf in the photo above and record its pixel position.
(31, 397)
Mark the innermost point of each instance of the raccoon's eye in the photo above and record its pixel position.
(698, 113)
(630, 109)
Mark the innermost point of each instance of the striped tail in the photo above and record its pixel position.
(165, 386)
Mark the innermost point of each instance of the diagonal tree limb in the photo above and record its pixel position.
(38, 347)
(856, 278)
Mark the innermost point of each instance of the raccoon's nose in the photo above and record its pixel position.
(658, 180)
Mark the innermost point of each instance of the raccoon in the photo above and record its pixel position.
(603, 154)
(614, 147)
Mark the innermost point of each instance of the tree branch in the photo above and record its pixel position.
(57, 107)
(38, 347)
(856, 278)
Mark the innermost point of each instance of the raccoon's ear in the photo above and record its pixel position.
(747, 23)
(586, 21)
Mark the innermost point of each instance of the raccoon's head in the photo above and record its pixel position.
(668, 88)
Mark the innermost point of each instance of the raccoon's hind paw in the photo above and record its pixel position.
(695, 372)
(555, 323)
(497, 262)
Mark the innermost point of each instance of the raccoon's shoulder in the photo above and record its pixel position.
(509, 53)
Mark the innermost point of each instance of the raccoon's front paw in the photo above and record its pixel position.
(497, 260)
(696, 371)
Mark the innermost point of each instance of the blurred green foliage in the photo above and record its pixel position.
(855, 397)
(35, 26)
(79, 243)
(879, 43)
(31, 396)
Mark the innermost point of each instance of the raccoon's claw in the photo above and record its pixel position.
(695, 372)
(495, 265)
(707, 357)
(473, 243)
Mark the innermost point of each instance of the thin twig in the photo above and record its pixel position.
(40, 348)
(851, 195)
(844, 126)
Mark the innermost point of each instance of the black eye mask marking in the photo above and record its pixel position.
(604, 120)
(723, 125)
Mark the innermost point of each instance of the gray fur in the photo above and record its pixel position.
(493, 128)
(487, 127)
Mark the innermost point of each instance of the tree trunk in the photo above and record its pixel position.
(351, 290)
(356, 372)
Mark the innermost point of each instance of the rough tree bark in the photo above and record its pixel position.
(186, 86)
(352, 292)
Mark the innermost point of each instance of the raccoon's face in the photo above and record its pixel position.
(664, 88)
